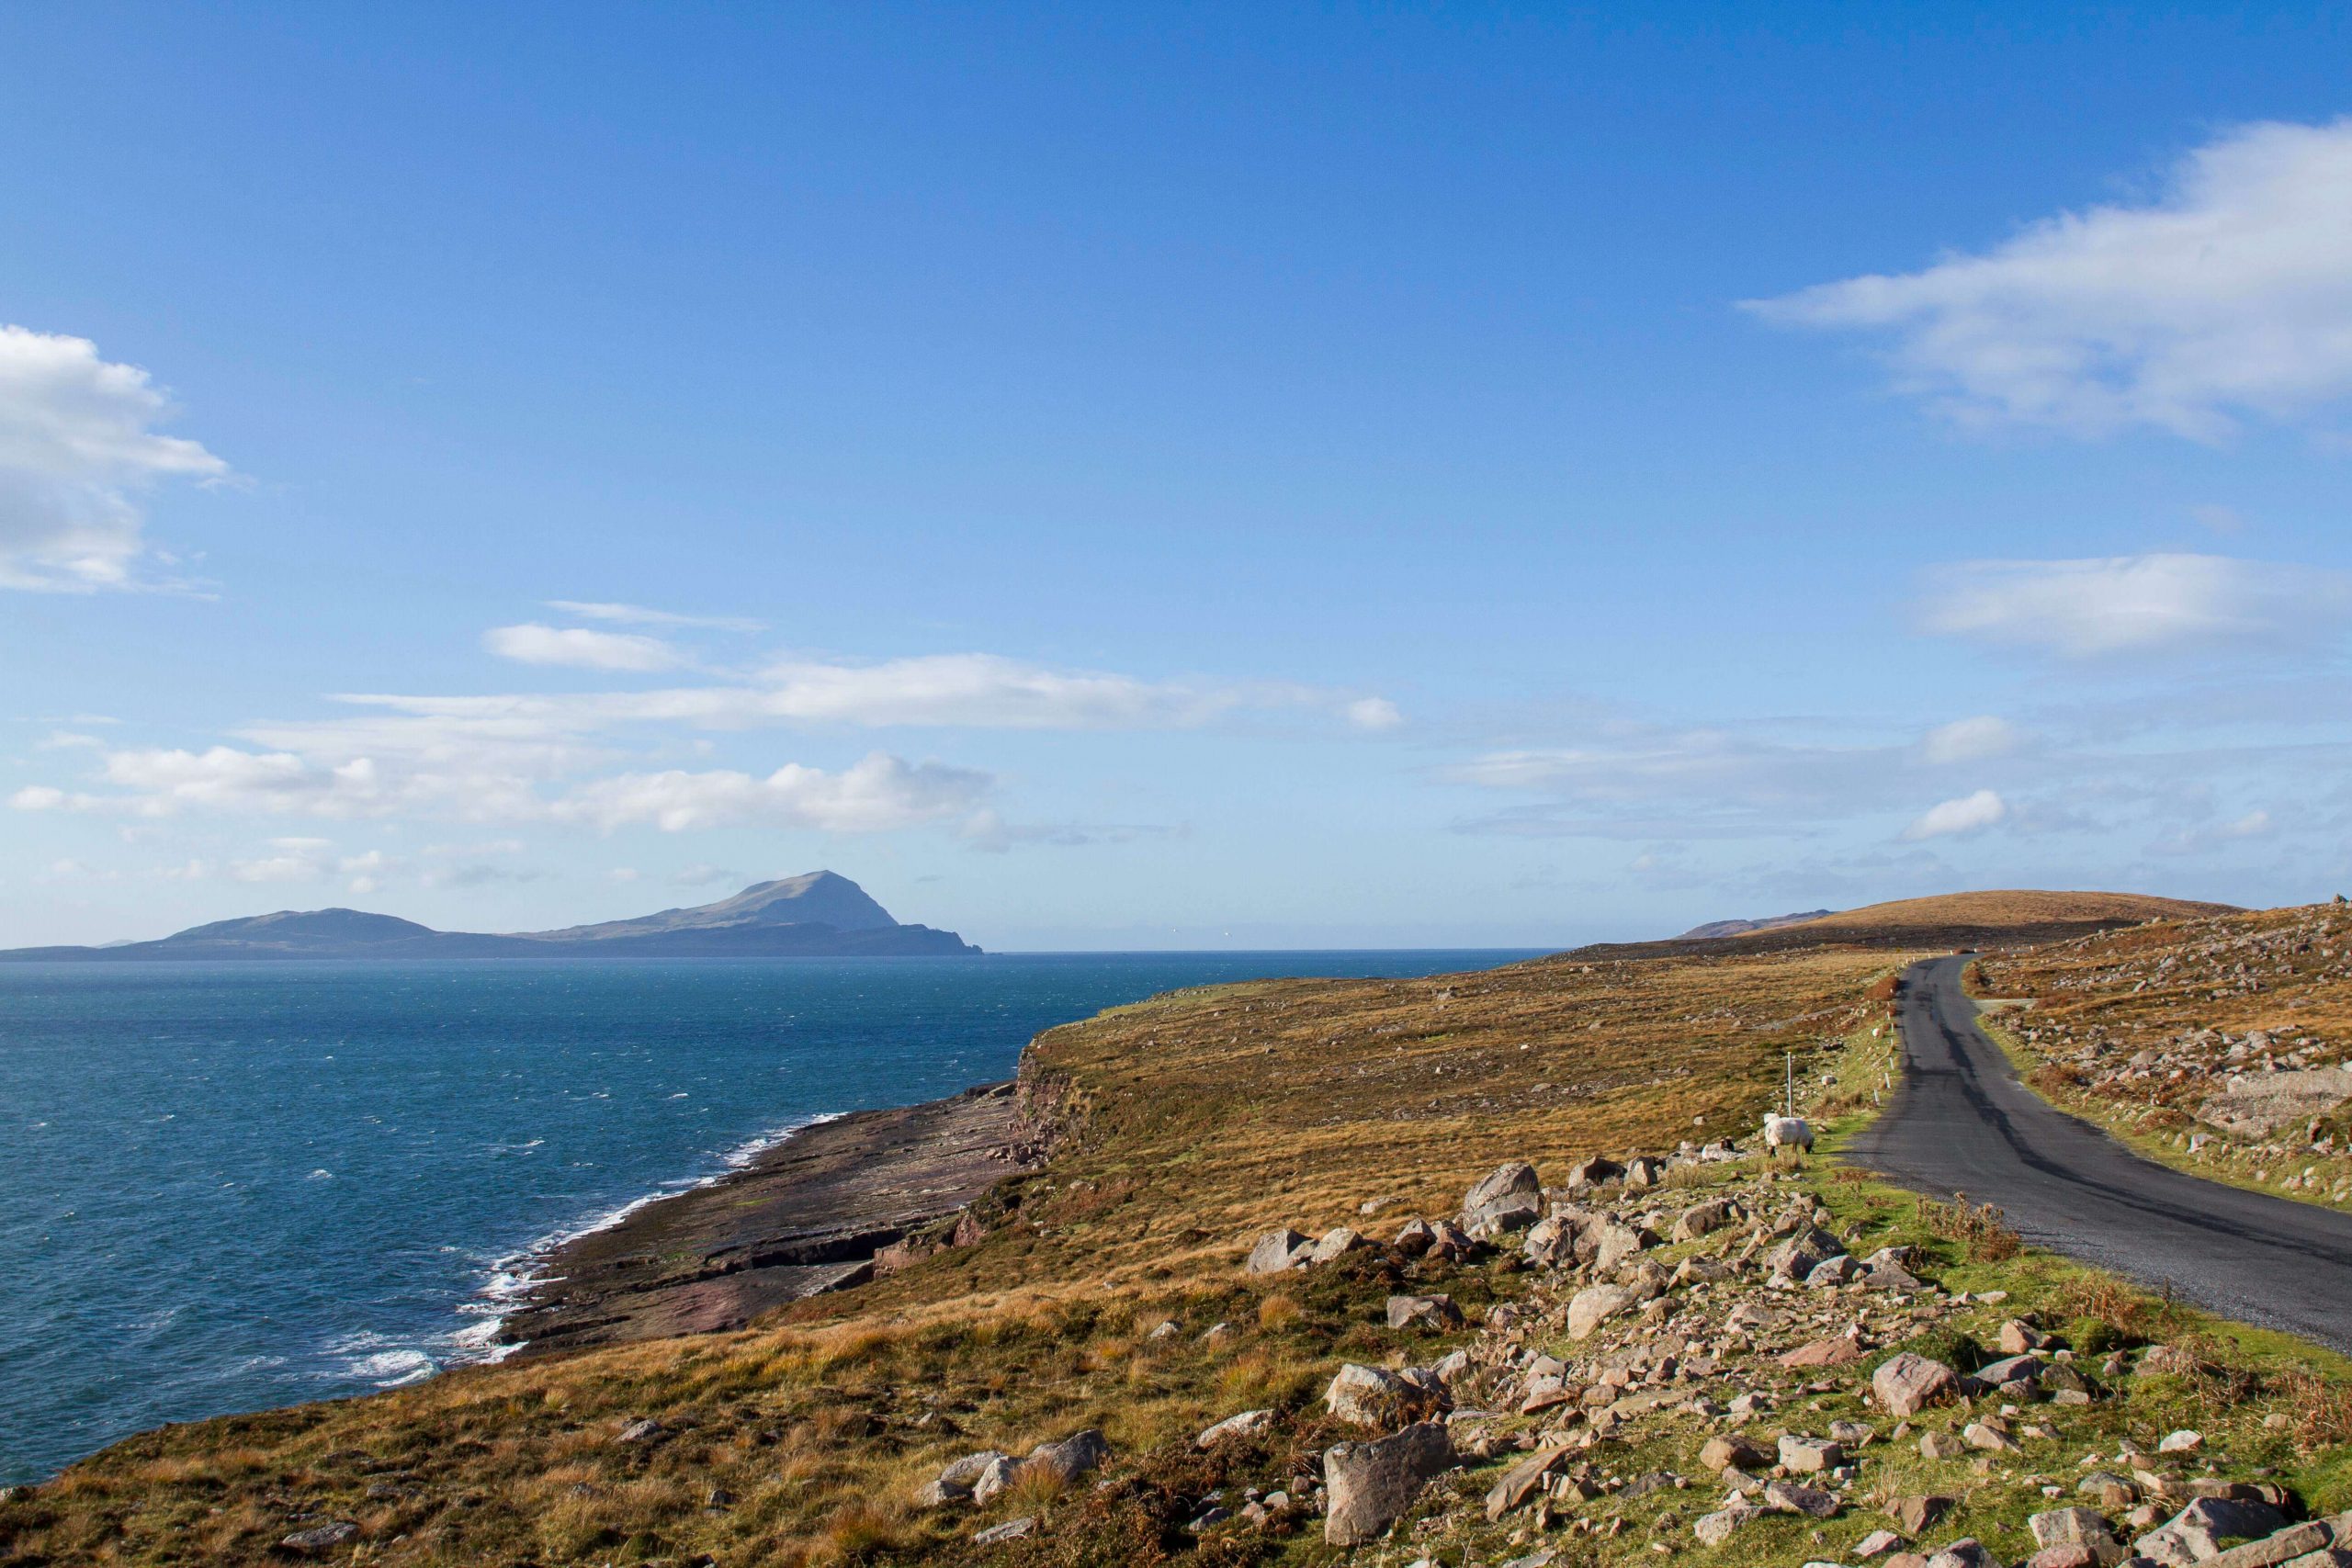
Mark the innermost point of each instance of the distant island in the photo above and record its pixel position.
(1741, 927)
(820, 915)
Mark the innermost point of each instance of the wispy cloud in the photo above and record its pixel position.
(581, 649)
(78, 449)
(2124, 604)
(2230, 294)
(1957, 818)
(1970, 739)
(639, 615)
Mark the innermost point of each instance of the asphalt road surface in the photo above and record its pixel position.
(1961, 1122)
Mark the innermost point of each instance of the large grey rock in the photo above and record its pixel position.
(1703, 1219)
(1073, 1456)
(1506, 1190)
(1012, 1529)
(1551, 1242)
(1335, 1244)
(1248, 1423)
(1966, 1552)
(1906, 1383)
(1714, 1530)
(320, 1538)
(2303, 1541)
(1806, 1456)
(1277, 1251)
(1368, 1485)
(1366, 1396)
(1596, 1304)
(1423, 1312)
(1521, 1481)
(2076, 1527)
(1801, 1254)
(2197, 1531)
(1619, 1243)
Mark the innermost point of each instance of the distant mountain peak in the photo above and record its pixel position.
(1742, 927)
(816, 914)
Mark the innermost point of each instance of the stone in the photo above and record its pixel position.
(1367, 1486)
(1248, 1423)
(1801, 1253)
(1990, 1438)
(1916, 1515)
(1735, 1451)
(994, 1478)
(1335, 1244)
(1522, 1480)
(1367, 1397)
(1854, 1433)
(2180, 1442)
(1837, 1351)
(2011, 1368)
(1594, 1172)
(1615, 1243)
(1449, 1242)
(1551, 1242)
(1965, 1552)
(1876, 1544)
(1276, 1252)
(1645, 1171)
(1832, 1273)
(1423, 1312)
(320, 1538)
(1416, 1239)
(1940, 1445)
(2286, 1546)
(643, 1430)
(1715, 1528)
(1906, 1383)
(2076, 1527)
(2107, 1489)
(1595, 1304)
(1073, 1456)
(1012, 1529)
(1809, 1456)
(2017, 1337)
(1507, 1199)
(1787, 1497)
(2197, 1531)
(1703, 1219)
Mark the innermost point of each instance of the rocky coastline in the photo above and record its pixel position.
(829, 1207)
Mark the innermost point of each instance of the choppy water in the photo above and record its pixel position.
(229, 1186)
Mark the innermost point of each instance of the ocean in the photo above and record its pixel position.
(226, 1186)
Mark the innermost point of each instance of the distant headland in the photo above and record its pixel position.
(818, 915)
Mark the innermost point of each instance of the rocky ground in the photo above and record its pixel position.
(1721, 1356)
(2220, 1046)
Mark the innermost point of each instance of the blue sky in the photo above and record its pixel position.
(1158, 477)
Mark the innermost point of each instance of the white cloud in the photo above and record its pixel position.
(2137, 604)
(639, 615)
(624, 874)
(66, 741)
(2229, 293)
(875, 794)
(76, 451)
(1969, 740)
(704, 876)
(579, 648)
(1957, 819)
(1374, 713)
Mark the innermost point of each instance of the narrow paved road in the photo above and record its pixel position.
(1961, 1122)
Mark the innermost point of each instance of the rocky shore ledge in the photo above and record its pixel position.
(827, 1208)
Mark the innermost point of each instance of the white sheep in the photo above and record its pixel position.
(1787, 1133)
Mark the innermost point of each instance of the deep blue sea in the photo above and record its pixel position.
(229, 1186)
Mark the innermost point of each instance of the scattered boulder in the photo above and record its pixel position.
(1594, 1172)
(319, 1539)
(1509, 1198)
(1837, 1351)
(2197, 1532)
(2079, 1528)
(1733, 1450)
(1803, 1253)
(1248, 1423)
(1595, 1304)
(1703, 1219)
(1806, 1456)
(645, 1429)
(1277, 1252)
(1369, 1484)
(1416, 1239)
(1074, 1456)
(1335, 1244)
(1916, 1515)
(1424, 1311)
(1012, 1529)
(1521, 1480)
(1714, 1530)
(1366, 1396)
(1906, 1383)
(1787, 1497)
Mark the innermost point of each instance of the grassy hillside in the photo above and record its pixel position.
(1184, 1126)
